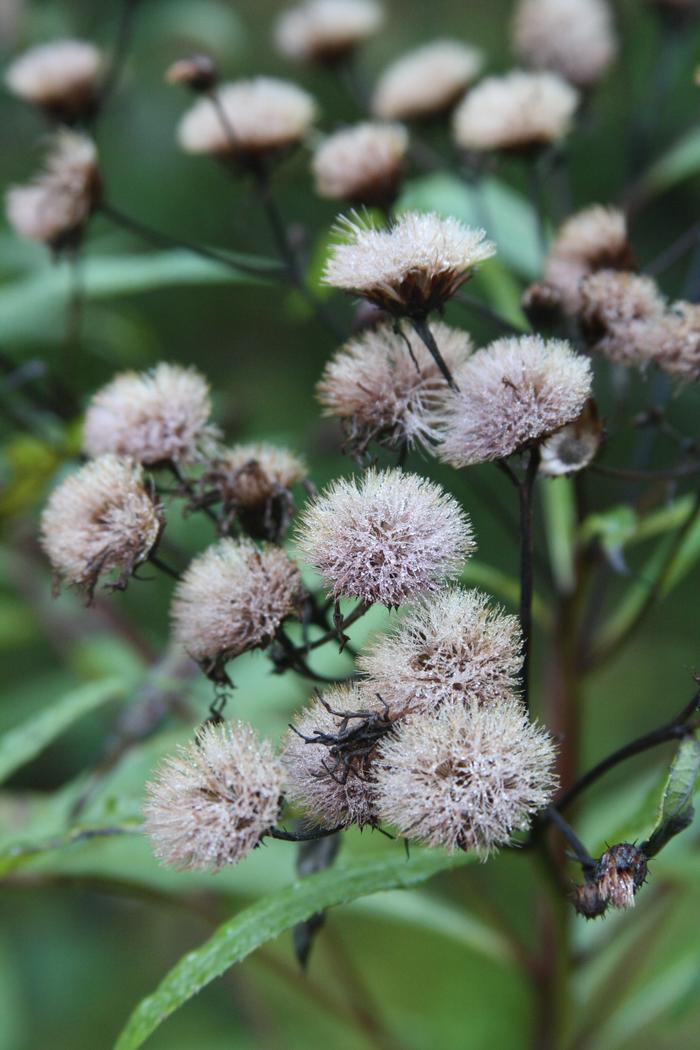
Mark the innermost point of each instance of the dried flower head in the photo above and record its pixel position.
(466, 777)
(574, 38)
(60, 77)
(593, 239)
(587, 901)
(197, 72)
(515, 391)
(621, 871)
(518, 112)
(620, 315)
(55, 207)
(541, 303)
(329, 755)
(212, 802)
(574, 446)
(326, 31)
(455, 646)
(386, 536)
(426, 82)
(254, 119)
(362, 164)
(676, 341)
(383, 393)
(412, 267)
(233, 598)
(100, 520)
(159, 416)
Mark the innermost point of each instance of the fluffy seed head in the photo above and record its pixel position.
(620, 315)
(465, 777)
(233, 598)
(55, 206)
(211, 803)
(593, 239)
(676, 341)
(574, 446)
(361, 164)
(99, 520)
(515, 391)
(374, 387)
(61, 77)
(261, 117)
(326, 31)
(411, 268)
(621, 871)
(517, 112)
(197, 72)
(574, 38)
(426, 82)
(455, 646)
(386, 536)
(157, 416)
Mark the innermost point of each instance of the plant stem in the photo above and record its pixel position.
(581, 853)
(121, 50)
(302, 836)
(420, 326)
(349, 620)
(164, 567)
(684, 470)
(526, 486)
(534, 172)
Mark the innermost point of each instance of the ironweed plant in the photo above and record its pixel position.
(521, 346)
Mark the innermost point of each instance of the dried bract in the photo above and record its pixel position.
(327, 31)
(574, 38)
(620, 316)
(362, 164)
(60, 77)
(593, 239)
(426, 82)
(621, 871)
(574, 446)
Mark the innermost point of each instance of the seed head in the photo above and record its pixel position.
(454, 646)
(466, 777)
(593, 239)
(574, 446)
(675, 341)
(198, 72)
(518, 112)
(574, 38)
(426, 82)
(257, 118)
(99, 520)
(326, 31)
(212, 802)
(386, 536)
(55, 207)
(411, 268)
(362, 164)
(515, 391)
(620, 315)
(60, 77)
(621, 871)
(382, 393)
(159, 416)
(233, 598)
(587, 901)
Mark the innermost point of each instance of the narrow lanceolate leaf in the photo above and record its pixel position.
(680, 162)
(676, 808)
(269, 917)
(23, 743)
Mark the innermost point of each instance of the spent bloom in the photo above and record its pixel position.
(676, 341)
(513, 392)
(100, 520)
(386, 536)
(60, 77)
(233, 598)
(574, 38)
(466, 777)
(159, 416)
(382, 393)
(426, 82)
(518, 112)
(621, 871)
(455, 646)
(326, 31)
(254, 119)
(412, 267)
(212, 802)
(57, 204)
(362, 164)
(593, 239)
(620, 315)
(574, 446)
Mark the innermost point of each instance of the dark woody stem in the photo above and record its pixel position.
(164, 567)
(329, 636)
(684, 470)
(582, 855)
(301, 836)
(420, 327)
(121, 50)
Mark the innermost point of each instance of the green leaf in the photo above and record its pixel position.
(269, 917)
(613, 528)
(676, 810)
(23, 743)
(680, 162)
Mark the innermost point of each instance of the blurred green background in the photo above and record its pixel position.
(88, 930)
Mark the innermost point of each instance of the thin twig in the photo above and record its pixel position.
(423, 332)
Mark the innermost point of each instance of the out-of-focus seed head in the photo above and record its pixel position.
(101, 520)
(55, 207)
(253, 121)
(620, 316)
(621, 871)
(61, 77)
(575, 445)
(409, 269)
(518, 113)
(587, 901)
(427, 82)
(514, 392)
(327, 31)
(197, 72)
(455, 646)
(574, 38)
(382, 392)
(386, 537)
(160, 416)
(593, 239)
(466, 777)
(542, 305)
(212, 802)
(362, 164)
(233, 598)
(676, 342)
